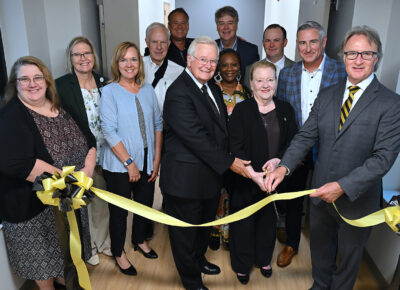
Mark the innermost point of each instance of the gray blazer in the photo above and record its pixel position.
(360, 154)
(246, 80)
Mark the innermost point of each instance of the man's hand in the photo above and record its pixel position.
(239, 166)
(329, 192)
(274, 178)
(271, 164)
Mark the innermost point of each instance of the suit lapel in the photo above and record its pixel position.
(337, 106)
(327, 74)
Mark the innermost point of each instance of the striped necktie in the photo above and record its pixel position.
(345, 111)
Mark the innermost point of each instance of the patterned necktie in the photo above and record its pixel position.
(209, 100)
(345, 111)
(142, 125)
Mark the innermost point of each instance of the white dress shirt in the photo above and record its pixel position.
(172, 72)
(310, 83)
(279, 65)
(362, 85)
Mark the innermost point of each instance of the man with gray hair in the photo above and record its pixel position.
(299, 85)
(159, 71)
(194, 159)
(356, 126)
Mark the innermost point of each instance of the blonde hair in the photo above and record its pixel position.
(262, 64)
(51, 92)
(119, 53)
(68, 52)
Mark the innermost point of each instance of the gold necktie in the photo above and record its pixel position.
(345, 111)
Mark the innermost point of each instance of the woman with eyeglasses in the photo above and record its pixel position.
(132, 127)
(38, 135)
(81, 89)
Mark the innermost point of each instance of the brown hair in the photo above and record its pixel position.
(261, 64)
(119, 53)
(51, 92)
(72, 43)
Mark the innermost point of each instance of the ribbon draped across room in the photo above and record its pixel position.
(72, 190)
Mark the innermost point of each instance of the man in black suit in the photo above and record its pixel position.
(227, 20)
(194, 159)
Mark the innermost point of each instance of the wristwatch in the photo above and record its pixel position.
(129, 161)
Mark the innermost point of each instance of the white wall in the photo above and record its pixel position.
(286, 14)
(202, 21)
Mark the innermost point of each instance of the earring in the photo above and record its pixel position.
(239, 76)
(218, 77)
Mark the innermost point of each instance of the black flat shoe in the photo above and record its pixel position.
(210, 269)
(244, 279)
(131, 271)
(266, 272)
(150, 255)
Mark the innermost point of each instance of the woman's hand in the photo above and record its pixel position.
(133, 172)
(257, 177)
(90, 162)
(88, 170)
(154, 174)
(271, 164)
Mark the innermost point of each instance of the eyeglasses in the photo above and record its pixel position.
(25, 81)
(81, 55)
(204, 61)
(365, 55)
(125, 61)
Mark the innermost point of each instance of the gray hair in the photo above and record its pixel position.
(371, 35)
(312, 25)
(156, 25)
(202, 40)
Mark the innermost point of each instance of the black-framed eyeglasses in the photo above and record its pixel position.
(81, 55)
(365, 55)
(204, 61)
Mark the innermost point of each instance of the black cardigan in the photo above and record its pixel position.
(70, 93)
(248, 139)
(20, 146)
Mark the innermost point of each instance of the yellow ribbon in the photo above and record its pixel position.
(390, 215)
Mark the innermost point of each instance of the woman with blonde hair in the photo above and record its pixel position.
(132, 127)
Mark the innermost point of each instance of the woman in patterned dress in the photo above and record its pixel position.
(80, 89)
(38, 136)
(228, 79)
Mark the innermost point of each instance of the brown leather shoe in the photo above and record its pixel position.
(285, 257)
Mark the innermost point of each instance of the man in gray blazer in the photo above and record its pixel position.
(274, 42)
(356, 125)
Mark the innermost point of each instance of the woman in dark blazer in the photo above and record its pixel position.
(80, 89)
(260, 129)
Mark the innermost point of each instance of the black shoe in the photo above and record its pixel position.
(150, 255)
(131, 271)
(214, 241)
(244, 279)
(210, 269)
(266, 272)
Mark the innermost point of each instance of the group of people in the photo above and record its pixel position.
(222, 131)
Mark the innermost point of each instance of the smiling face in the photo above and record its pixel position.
(263, 83)
(82, 64)
(203, 72)
(229, 67)
(34, 92)
(274, 44)
(178, 26)
(128, 65)
(227, 27)
(311, 48)
(359, 69)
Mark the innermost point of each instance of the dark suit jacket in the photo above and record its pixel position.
(248, 139)
(195, 141)
(248, 53)
(69, 90)
(246, 81)
(360, 154)
(21, 145)
(289, 84)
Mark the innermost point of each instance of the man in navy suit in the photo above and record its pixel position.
(299, 85)
(227, 20)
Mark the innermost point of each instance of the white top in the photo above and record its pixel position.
(200, 85)
(362, 85)
(279, 65)
(172, 72)
(310, 83)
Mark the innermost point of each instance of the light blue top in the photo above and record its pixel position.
(119, 122)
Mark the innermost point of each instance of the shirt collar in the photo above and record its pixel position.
(363, 84)
(234, 46)
(282, 60)
(320, 68)
(199, 84)
(153, 64)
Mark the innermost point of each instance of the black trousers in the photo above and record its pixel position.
(252, 240)
(189, 245)
(143, 192)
